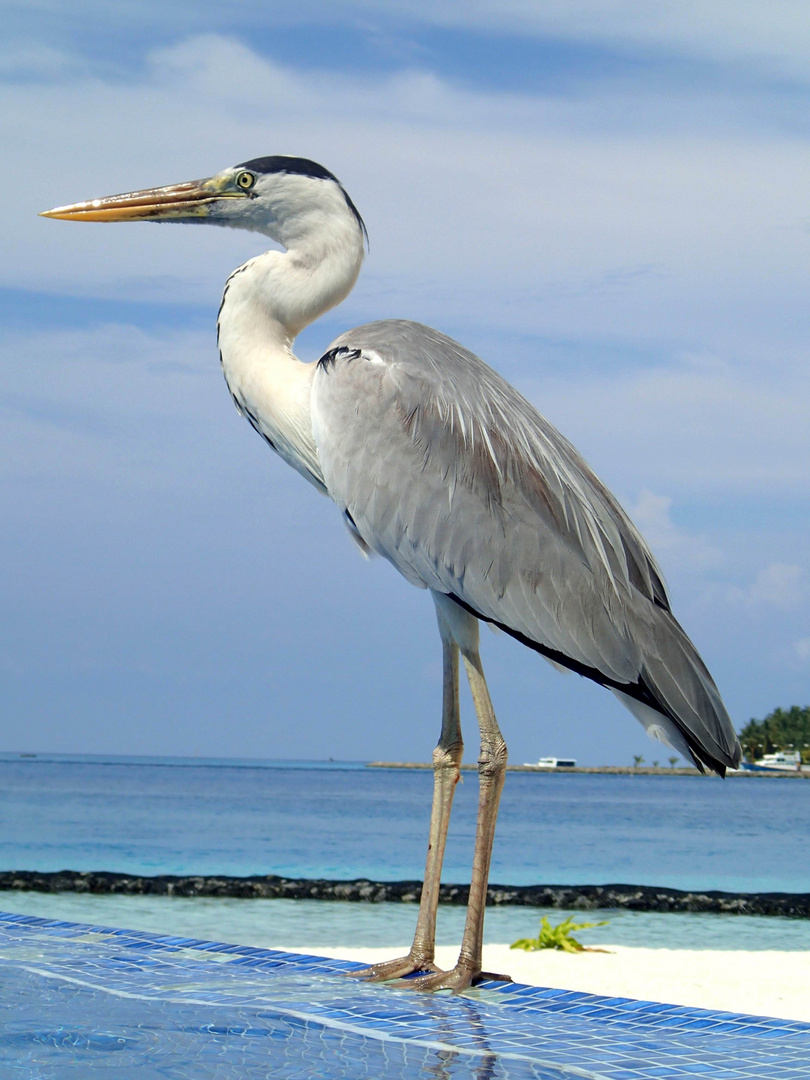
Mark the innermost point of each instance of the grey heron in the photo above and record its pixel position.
(443, 468)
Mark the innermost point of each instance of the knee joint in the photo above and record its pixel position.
(448, 757)
(492, 758)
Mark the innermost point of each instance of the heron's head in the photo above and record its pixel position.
(285, 198)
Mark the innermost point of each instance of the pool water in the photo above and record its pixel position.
(80, 1000)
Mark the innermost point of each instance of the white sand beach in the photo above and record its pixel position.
(763, 983)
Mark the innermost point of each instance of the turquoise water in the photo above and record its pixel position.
(306, 925)
(342, 820)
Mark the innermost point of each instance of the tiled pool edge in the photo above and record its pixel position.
(521, 996)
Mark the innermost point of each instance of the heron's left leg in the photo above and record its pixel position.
(491, 773)
(446, 762)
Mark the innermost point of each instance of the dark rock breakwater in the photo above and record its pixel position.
(581, 897)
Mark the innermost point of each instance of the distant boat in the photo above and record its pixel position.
(781, 761)
(553, 763)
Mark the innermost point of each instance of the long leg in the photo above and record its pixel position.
(446, 762)
(491, 773)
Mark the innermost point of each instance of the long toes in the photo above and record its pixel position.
(393, 969)
(457, 980)
(385, 972)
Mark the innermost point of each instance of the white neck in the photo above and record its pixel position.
(267, 303)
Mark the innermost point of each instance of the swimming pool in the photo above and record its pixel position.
(80, 999)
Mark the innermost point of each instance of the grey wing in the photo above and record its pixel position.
(443, 468)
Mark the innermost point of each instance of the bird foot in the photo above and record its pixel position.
(458, 980)
(396, 969)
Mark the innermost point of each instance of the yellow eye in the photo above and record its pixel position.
(245, 180)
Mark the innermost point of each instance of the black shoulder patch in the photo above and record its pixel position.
(328, 359)
(281, 163)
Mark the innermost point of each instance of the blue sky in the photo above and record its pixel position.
(608, 202)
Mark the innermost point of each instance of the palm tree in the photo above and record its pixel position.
(673, 761)
(637, 760)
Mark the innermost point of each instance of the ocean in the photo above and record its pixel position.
(345, 820)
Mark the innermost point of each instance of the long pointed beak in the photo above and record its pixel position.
(178, 201)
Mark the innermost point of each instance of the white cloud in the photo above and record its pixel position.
(591, 214)
(490, 214)
(693, 426)
(672, 221)
(775, 37)
(780, 585)
(777, 588)
(88, 404)
(35, 61)
(674, 546)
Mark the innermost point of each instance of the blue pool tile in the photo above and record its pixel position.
(161, 1003)
(663, 1072)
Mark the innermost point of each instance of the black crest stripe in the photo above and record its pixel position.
(296, 166)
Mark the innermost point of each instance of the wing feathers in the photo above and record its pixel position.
(450, 474)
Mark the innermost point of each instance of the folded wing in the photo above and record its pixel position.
(443, 468)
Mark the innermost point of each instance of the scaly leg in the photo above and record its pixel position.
(491, 772)
(446, 761)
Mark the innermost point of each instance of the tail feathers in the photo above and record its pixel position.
(684, 708)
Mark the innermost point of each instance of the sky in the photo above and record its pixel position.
(607, 201)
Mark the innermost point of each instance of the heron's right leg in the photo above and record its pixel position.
(446, 762)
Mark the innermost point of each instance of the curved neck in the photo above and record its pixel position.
(267, 302)
(291, 289)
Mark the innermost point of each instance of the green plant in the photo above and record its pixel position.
(637, 760)
(558, 937)
(673, 761)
